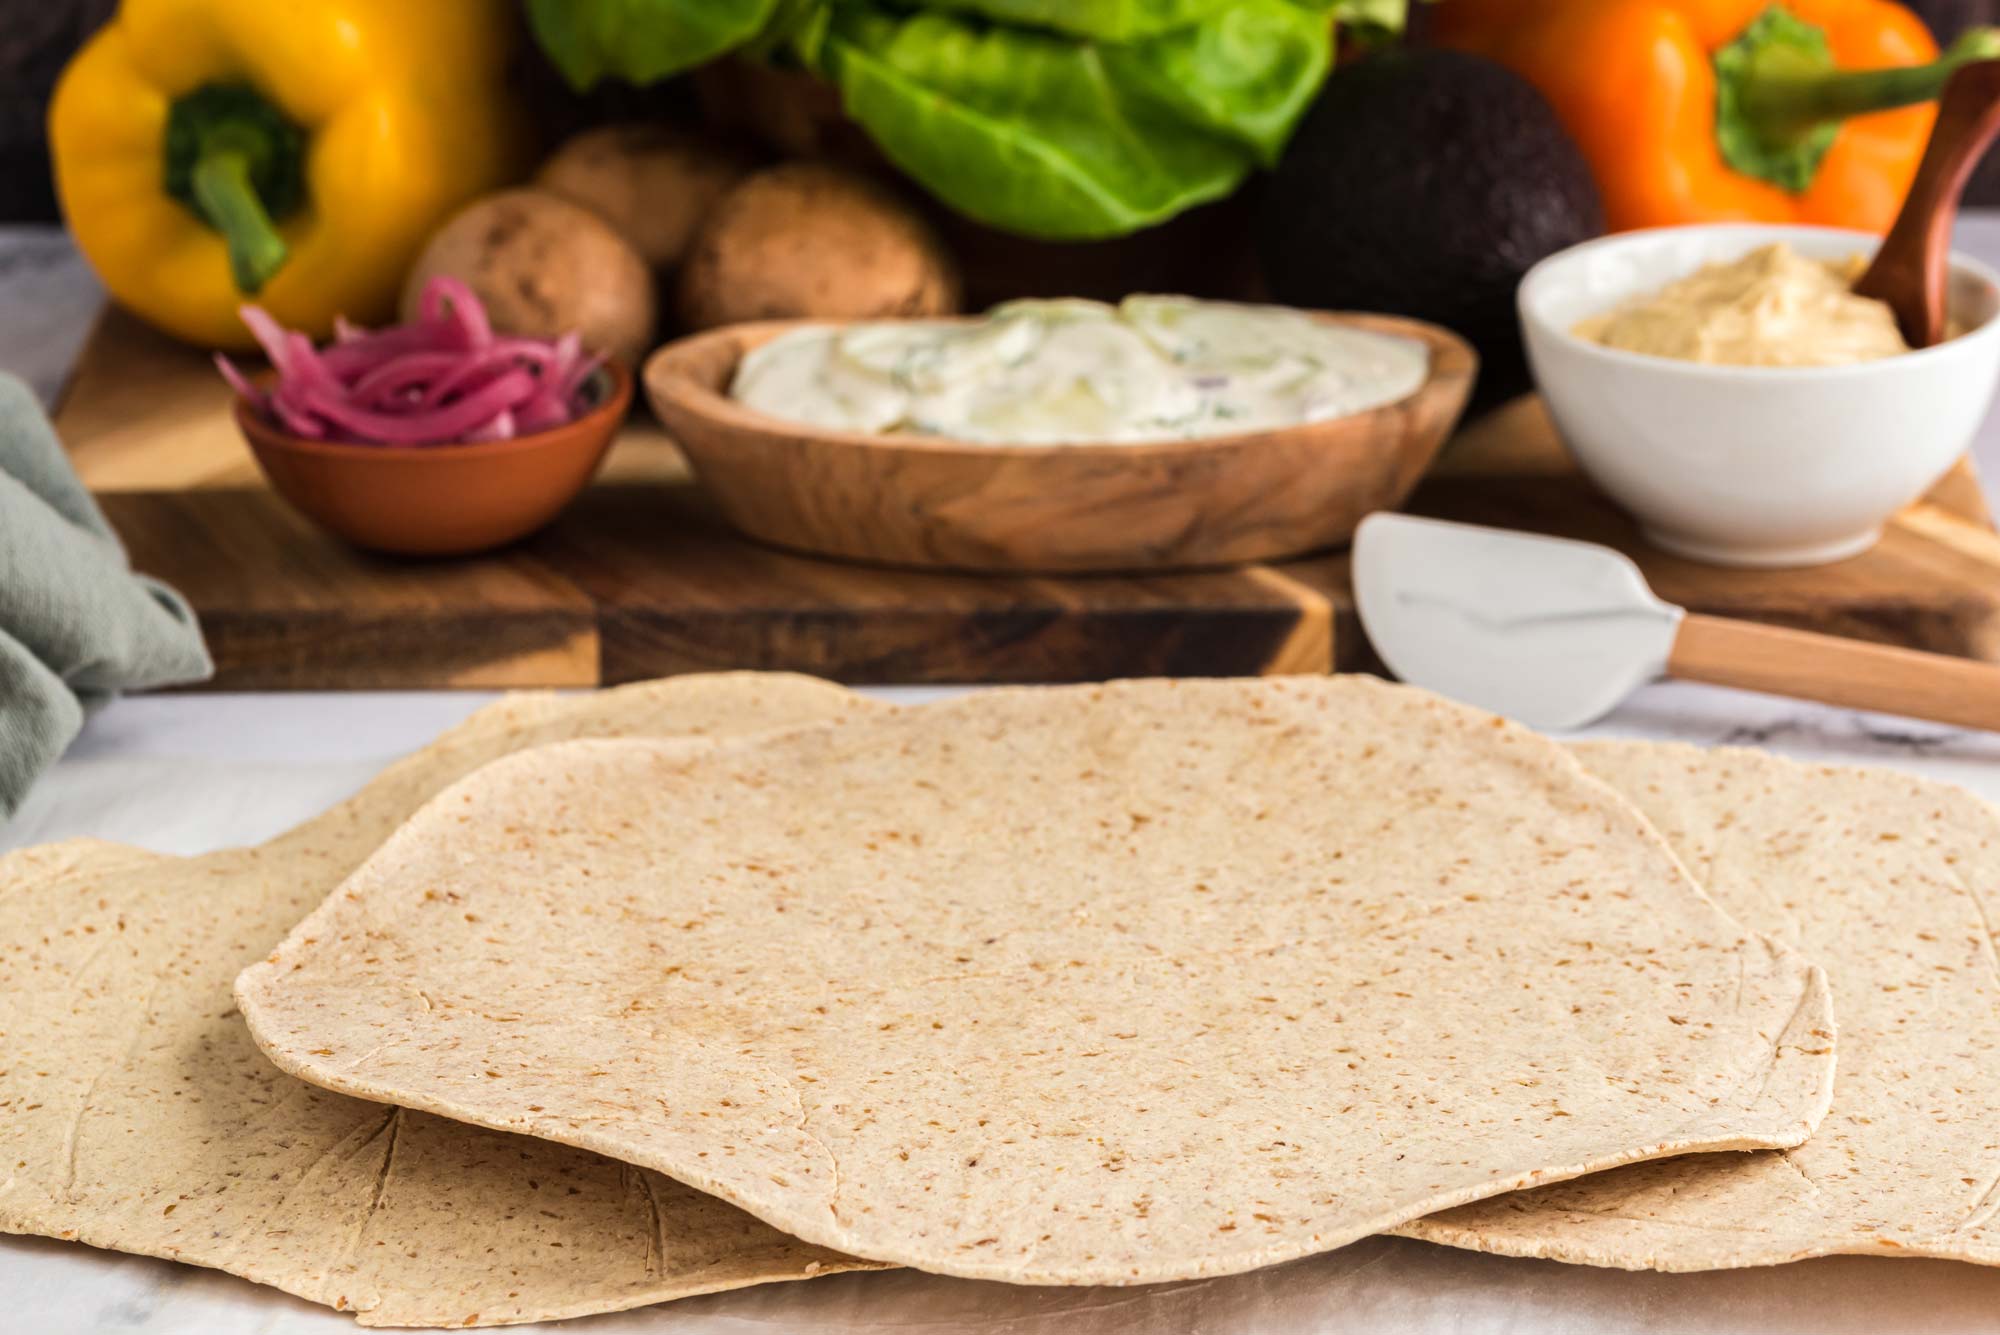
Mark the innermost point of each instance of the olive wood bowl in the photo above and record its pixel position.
(932, 502)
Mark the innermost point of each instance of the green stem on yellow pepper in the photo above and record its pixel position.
(228, 200)
(238, 163)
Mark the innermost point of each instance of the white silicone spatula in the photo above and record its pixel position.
(1555, 633)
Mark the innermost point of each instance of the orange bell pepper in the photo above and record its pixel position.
(1729, 110)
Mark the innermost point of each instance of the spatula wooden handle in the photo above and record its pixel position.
(1850, 673)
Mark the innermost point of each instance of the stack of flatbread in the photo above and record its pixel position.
(603, 1001)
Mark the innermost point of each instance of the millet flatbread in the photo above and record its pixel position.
(136, 1114)
(1096, 985)
(1892, 883)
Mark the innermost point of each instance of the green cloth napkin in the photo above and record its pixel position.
(76, 625)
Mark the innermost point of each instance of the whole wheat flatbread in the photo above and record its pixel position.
(135, 1113)
(1892, 883)
(1080, 985)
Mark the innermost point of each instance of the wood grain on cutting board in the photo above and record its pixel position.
(641, 578)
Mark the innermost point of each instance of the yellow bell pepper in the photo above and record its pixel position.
(210, 150)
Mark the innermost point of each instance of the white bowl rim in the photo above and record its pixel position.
(1960, 263)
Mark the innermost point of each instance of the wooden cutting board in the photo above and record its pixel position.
(641, 579)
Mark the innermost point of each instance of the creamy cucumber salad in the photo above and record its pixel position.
(1152, 368)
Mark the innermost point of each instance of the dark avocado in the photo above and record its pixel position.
(1425, 183)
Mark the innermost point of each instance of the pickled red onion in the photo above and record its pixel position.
(444, 377)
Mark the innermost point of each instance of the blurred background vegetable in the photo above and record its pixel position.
(937, 154)
(541, 267)
(1059, 119)
(205, 150)
(653, 182)
(1427, 183)
(812, 240)
(1725, 110)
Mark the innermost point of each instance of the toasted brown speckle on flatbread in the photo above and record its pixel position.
(1893, 884)
(1077, 985)
(136, 1114)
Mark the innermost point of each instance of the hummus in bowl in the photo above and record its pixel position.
(1723, 385)
(1771, 307)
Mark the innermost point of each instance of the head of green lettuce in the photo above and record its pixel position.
(1059, 119)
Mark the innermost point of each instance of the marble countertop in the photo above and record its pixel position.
(189, 773)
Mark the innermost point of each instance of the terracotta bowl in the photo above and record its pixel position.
(932, 502)
(438, 500)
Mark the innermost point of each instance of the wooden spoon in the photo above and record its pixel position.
(1911, 270)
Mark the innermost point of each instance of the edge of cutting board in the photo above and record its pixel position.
(642, 579)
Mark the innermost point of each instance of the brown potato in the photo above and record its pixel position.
(544, 267)
(654, 183)
(804, 239)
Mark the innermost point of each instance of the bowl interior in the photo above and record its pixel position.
(694, 374)
(1597, 275)
(608, 391)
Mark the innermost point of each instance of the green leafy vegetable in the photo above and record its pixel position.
(1064, 119)
(1026, 131)
(643, 41)
(1102, 20)
(1246, 74)
(1131, 20)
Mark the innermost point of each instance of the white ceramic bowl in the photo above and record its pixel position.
(1744, 465)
